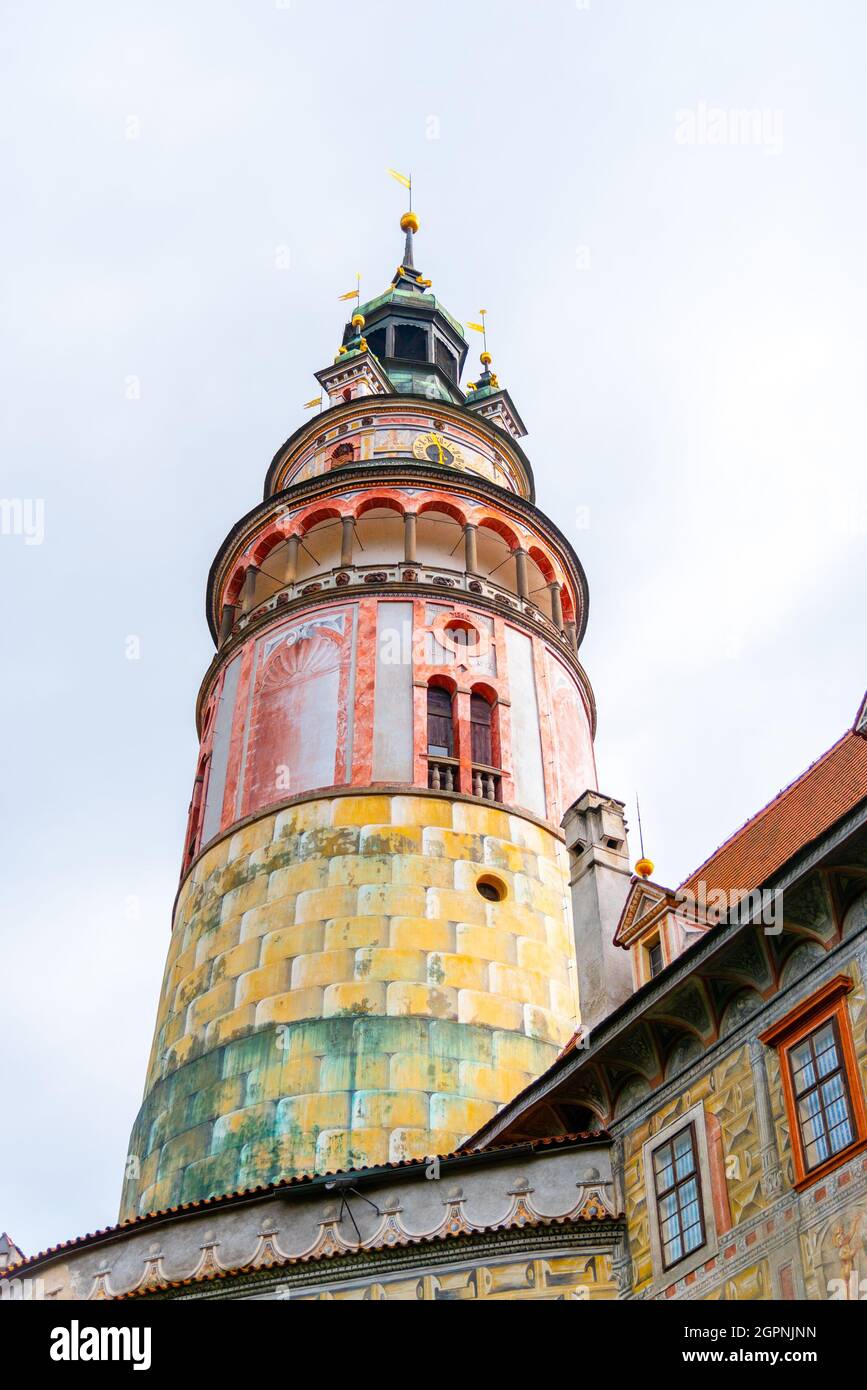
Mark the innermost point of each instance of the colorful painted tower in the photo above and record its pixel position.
(372, 944)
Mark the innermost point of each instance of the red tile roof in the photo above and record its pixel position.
(799, 814)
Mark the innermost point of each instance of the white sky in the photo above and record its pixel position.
(681, 326)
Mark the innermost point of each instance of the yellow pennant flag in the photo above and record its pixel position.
(308, 405)
(401, 178)
(350, 294)
(479, 327)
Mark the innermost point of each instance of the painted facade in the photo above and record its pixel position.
(422, 1033)
(372, 945)
(706, 1045)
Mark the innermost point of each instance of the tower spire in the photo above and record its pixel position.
(409, 224)
(406, 272)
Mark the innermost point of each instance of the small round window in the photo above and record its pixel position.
(492, 889)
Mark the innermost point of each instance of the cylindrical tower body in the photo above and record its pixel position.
(372, 946)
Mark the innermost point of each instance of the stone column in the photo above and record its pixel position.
(572, 636)
(249, 589)
(556, 605)
(227, 622)
(772, 1178)
(521, 572)
(347, 541)
(409, 532)
(290, 567)
(471, 561)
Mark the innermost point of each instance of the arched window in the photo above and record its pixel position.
(480, 730)
(195, 813)
(440, 729)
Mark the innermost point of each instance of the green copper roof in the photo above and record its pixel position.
(398, 297)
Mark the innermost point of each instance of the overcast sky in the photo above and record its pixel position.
(675, 295)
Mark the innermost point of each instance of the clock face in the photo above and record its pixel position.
(434, 448)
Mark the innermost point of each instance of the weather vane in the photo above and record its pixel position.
(481, 328)
(353, 294)
(406, 180)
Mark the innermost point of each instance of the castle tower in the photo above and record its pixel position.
(372, 945)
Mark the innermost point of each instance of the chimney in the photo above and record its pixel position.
(599, 875)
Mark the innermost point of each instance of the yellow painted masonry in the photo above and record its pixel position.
(338, 993)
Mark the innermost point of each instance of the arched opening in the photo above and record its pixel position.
(319, 548)
(440, 539)
(440, 723)
(442, 765)
(485, 744)
(379, 534)
(481, 730)
(194, 819)
(540, 573)
(495, 559)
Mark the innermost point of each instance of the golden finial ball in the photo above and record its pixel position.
(486, 359)
(644, 867)
(357, 320)
(409, 222)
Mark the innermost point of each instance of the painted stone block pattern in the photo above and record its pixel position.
(338, 993)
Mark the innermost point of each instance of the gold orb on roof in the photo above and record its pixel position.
(644, 867)
(357, 320)
(409, 222)
(485, 359)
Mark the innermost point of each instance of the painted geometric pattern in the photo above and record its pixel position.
(727, 1093)
(339, 994)
(554, 1279)
(835, 1249)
